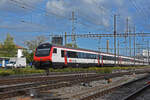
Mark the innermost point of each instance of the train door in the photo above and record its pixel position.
(102, 61)
(120, 61)
(99, 60)
(55, 55)
(65, 57)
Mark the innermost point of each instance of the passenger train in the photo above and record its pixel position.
(48, 55)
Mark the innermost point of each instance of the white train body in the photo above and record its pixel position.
(59, 56)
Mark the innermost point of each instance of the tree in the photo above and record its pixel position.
(8, 48)
(1, 50)
(28, 55)
(31, 46)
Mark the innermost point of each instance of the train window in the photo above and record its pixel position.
(104, 57)
(55, 50)
(82, 55)
(72, 54)
(94, 56)
(42, 52)
(69, 54)
(62, 53)
(108, 58)
(79, 55)
(90, 56)
(86, 55)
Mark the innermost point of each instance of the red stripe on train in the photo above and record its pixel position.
(102, 60)
(51, 53)
(98, 60)
(65, 57)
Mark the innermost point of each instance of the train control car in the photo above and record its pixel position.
(48, 55)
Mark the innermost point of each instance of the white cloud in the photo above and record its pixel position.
(96, 12)
(89, 10)
(93, 1)
(92, 12)
(57, 7)
(119, 2)
(105, 22)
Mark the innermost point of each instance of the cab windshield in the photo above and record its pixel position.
(43, 50)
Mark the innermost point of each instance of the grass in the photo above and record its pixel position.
(6, 72)
(29, 70)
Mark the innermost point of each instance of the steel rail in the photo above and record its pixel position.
(106, 91)
(137, 93)
(38, 78)
(9, 91)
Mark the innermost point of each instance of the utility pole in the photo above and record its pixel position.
(115, 31)
(127, 30)
(65, 38)
(107, 46)
(130, 41)
(51, 36)
(134, 44)
(99, 44)
(148, 50)
(73, 29)
(118, 52)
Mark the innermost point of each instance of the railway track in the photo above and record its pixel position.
(44, 74)
(30, 79)
(52, 76)
(42, 84)
(136, 94)
(20, 80)
(125, 91)
(55, 82)
(16, 90)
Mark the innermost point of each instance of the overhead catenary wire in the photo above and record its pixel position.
(21, 20)
(138, 9)
(48, 13)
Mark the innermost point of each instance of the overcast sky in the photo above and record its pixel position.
(25, 19)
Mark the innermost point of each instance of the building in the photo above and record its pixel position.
(145, 53)
(19, 51)
(4, 60)
(57, 40)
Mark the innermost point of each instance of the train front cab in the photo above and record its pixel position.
(42, 56)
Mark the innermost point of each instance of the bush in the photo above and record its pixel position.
(107, 70)
(6, 72)
(29, 70)
(17, 71)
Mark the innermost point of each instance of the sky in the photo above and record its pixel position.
(26, 19)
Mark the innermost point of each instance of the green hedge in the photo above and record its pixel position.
(29, 70)
(6, 72)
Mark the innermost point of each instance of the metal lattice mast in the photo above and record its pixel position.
(73, 37)
(115, 31)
